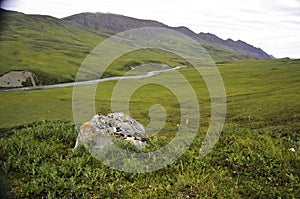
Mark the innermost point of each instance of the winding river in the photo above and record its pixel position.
(148, 74)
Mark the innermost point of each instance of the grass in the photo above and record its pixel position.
(44, 45)
(252, 159)
(253, 89)
(244, 164)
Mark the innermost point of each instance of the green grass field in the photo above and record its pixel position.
(257, 155)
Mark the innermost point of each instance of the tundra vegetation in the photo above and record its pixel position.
(257, 155)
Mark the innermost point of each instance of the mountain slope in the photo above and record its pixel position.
(111, 22)
(51, 48)
(117, 23)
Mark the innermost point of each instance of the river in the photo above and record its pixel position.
(89, 82)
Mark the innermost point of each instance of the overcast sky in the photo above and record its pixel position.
(273, 25)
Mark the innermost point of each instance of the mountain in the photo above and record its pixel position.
(113, 23)
(53, 49)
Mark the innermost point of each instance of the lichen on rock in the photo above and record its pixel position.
(101, 131)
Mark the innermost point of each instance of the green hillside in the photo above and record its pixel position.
(53, 49)
(50, 47)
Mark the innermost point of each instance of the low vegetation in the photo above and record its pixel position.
(257, 155)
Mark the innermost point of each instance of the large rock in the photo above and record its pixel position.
(101, 130)
(15, 79)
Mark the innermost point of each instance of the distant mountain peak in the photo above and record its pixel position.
(114, 23)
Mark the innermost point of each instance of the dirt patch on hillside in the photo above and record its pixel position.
(15, 79)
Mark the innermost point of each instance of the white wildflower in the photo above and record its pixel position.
(292, 150)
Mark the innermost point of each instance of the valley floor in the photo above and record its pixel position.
(256, 156)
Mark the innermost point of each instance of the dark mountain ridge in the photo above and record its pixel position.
(113, 23)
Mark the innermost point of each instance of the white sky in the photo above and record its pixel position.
(273, 25)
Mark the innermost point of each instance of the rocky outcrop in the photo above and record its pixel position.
(101, 131)
(236, 46)
(16, 79)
